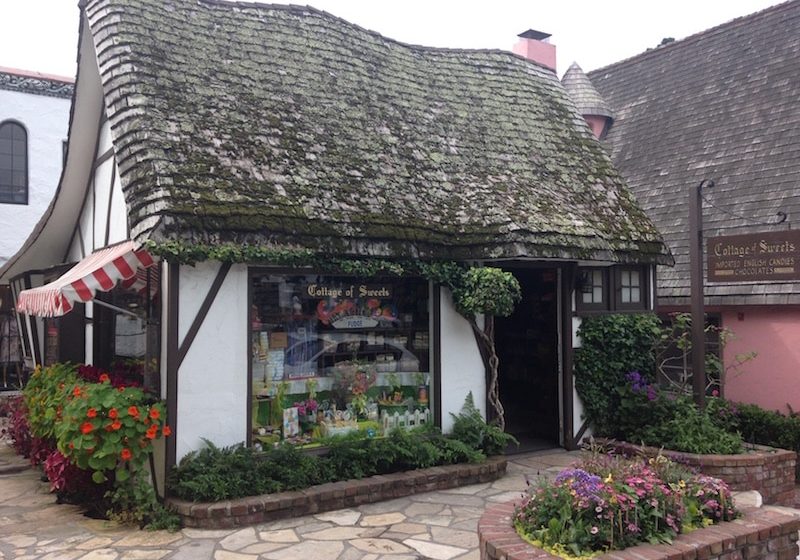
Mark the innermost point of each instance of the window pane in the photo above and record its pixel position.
(625, 278)
(335, 354)
(597, 293)
(636, 295)
(634, 276)
(626, 294)
(587, 295)
(597, 277)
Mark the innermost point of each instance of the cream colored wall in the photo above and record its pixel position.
(212, 381)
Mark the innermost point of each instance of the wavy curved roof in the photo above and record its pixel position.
(287, 126)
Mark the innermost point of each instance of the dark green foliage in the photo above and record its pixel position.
(470, 428)
(214, 473)
(653, 417)
(611, 347)
(766, 427)
(487, 290)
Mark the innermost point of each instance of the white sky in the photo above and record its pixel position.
(41, 35)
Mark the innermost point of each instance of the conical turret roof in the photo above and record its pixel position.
(584, 94)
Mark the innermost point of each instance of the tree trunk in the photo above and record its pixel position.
(486, 346)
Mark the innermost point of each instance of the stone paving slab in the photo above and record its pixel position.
(430, 526)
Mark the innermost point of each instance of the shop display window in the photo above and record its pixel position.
(332, 355)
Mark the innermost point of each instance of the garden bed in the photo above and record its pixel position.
(768, 470)
(759, 534)
(334, 495)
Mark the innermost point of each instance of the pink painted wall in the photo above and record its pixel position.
(772, 379)
(537, 51)
(596, 123)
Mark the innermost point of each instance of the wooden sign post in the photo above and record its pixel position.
(697, 305)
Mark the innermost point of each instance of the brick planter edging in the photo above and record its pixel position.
(768, 470)
(333, 495)
(759, 534)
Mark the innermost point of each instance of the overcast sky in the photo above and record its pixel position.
(41, 35)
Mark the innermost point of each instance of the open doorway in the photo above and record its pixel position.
(527, 345)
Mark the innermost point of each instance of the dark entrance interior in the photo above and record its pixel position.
(527, 345)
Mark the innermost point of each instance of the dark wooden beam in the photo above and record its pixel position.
(202, 312)
(110, 200)
(437, 355)
(173, 285)
(696, 274)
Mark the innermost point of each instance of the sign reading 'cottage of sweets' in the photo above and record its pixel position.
(755, 257)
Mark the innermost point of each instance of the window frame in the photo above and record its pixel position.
(643, 303)
(14, 122)
(583, 307)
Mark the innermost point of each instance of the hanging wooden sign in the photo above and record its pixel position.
(754, 257)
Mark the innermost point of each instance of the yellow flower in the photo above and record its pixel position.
(609, 478)
(682, 483)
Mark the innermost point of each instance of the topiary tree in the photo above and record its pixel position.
(491, 292)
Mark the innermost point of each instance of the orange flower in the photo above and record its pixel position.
(154, 413)
(113, 413)
(133, 411)
(126, 454)
(86, 428)
(116, 425)
(91, 413)
(71, 445)
(166, 431)
(76, 391)
(121, 389)
(152, 431)
(104, 378)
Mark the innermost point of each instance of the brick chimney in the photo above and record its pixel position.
(535, 46)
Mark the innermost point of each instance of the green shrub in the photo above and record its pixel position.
(45, 396)
(611, 347)
(654, 417)
(470, 428)
(213, 473)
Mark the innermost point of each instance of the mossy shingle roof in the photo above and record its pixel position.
(284, 125)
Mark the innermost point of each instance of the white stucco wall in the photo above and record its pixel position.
(462, 367)
(212, 381)
(46, 120)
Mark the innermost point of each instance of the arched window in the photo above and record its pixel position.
(13, 163)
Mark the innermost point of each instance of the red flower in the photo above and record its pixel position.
(91, 413)
(116, 425)
(86, 428)
(166, 431)
(126, 454)
(76, 391)
(133, 411)
(112, 413)
(152, 431)
(121, 389)
(71, 445)
(104, 378)
(154, 413)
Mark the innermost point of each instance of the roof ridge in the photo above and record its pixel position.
(36, 74)
(720, 28)
(334, 17)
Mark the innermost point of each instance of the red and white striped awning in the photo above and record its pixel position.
(99, 271)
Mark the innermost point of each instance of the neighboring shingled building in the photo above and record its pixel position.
(722, 104)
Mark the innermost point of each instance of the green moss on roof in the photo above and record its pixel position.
(286, 126)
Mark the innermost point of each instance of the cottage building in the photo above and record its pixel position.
(719, 105)
(34, 109)
(260, 142)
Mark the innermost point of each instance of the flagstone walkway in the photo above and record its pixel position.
(435, 525)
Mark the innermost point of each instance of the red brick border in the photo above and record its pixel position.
(334, 495)
(758, 535)
(766, 469)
